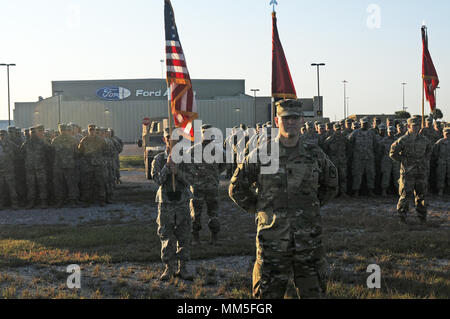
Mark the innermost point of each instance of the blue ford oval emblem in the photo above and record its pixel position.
(113, 93)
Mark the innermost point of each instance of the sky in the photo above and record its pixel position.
(374, 45)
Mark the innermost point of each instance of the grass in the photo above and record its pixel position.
(132, 161)
(117, 258)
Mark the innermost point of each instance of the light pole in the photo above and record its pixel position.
(435, 95)
(162, 68)
(59, 105)
(345, 98)
(403, 84)
(254, 108)
(348, 105)
(318, 65)
(9, 98)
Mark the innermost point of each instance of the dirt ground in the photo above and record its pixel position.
(118, 250)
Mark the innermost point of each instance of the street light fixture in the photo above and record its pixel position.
(254, 108)
(318, 65)
(9, 98)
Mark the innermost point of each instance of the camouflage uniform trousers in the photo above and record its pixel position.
(116, 166)
(359, 167)
(281, 252)
(65, 178)
(93, 183)
(174, 231)
(109, 178)
(8, 186)
(341, 165)
(443, 169)
(390, 173)
(37, 181)
(210, 197)
(412, 185)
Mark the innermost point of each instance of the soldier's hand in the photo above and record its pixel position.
(172, 165)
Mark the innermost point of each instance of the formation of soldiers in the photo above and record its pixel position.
(68, 167)
(317, 162)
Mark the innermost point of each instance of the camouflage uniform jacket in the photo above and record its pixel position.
(206, 175)
(384, 147)
(430, 134)
(310, 138)
(66, 149)
(414, 152)
(36, 152)
(162, 176)
(8, 154)
(336, 148)
(93, 150)
(441, 150)
(362, 144)
(306, 179)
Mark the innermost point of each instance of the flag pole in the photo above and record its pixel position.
(170, 131)
(423, 102)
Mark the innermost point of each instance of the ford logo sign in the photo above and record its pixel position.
(113, 93)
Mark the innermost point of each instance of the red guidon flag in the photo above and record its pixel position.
(183, 105)
(282, 85)
(429, 74)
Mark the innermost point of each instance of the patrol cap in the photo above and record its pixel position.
(329, 125)
(414, 121)
(62, 127)
(3, 132)
(337, 126)
(376, 119)
(322, 126)
(39, 127)
(348, 121)
(309, 124)
(364, 120)
(391, 129)
(289, 108)
(11, 129)
(382, 126)
(429, 119)
(91, 127)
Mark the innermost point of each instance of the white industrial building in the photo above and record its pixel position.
(123, 104)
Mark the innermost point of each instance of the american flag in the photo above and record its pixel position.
(183, 105)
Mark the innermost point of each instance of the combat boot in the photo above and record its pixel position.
(44, 204)
(168, 273)
(196, 238)
(403, 219)
(30, 205)
(183, 272)
(59, 204)
(214, 239)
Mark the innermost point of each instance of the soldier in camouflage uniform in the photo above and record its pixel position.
(174, 222)
(336, 148)
(116, 160)
(442, 154)
(310, 136)
(92, 149)
(64, 169)
(8, 155)
(362, 144)
(287, 205)
(36, 153)
(413, 151)
(109, 169)
(390, 169)
(205, 188)
(348, 127)
(400, 131)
